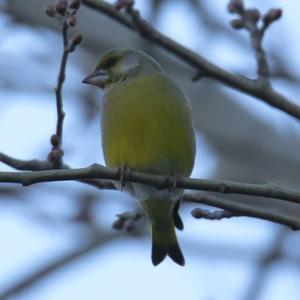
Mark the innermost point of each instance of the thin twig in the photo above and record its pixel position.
(241, 209)
(260, 276)
(249, 20)
(60, 82)
(127, 220)
(201, 213)
(66, 14)
(39, 165)
(198, 62)
(94, 243)
(24, 165)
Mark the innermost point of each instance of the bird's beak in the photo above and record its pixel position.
(97, 78)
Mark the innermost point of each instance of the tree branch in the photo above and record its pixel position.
(40, 165)
(94, 243)
(200, 213)
(127, 220)
(25, 165)
(245, 85)
(239, 209)
(66, 14)
(261, 274)
(97, 171)
(60, 81)
(248, 19)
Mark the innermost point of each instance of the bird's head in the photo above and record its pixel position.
(117, 65)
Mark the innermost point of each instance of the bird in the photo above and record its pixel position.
(147, 126)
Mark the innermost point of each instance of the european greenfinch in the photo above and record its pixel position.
(146, 126)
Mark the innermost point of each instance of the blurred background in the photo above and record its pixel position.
(56, 239)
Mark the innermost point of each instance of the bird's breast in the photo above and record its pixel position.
(146, 125)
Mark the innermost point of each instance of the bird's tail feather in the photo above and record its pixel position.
(163, 216)
(164, 242)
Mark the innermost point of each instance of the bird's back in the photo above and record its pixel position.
(146, 125)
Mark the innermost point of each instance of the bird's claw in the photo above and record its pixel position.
(123, 172)
(173, 179)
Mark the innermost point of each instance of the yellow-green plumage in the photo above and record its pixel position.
(160, 212)
(146, 126)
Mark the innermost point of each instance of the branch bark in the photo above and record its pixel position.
(240, 209)
(60, 82)
(198, 62)
(97, 171)
(235, 208)
(65, 13)
(201, 213)
(40, 165)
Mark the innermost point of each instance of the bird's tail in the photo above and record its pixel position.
(164, 241)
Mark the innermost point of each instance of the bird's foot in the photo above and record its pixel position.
(124, 171)
(173, 180)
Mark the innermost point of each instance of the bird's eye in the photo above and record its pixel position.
(110, 62)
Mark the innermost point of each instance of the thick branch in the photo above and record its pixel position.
(96, 171)
(235, 208)
(146, 30)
